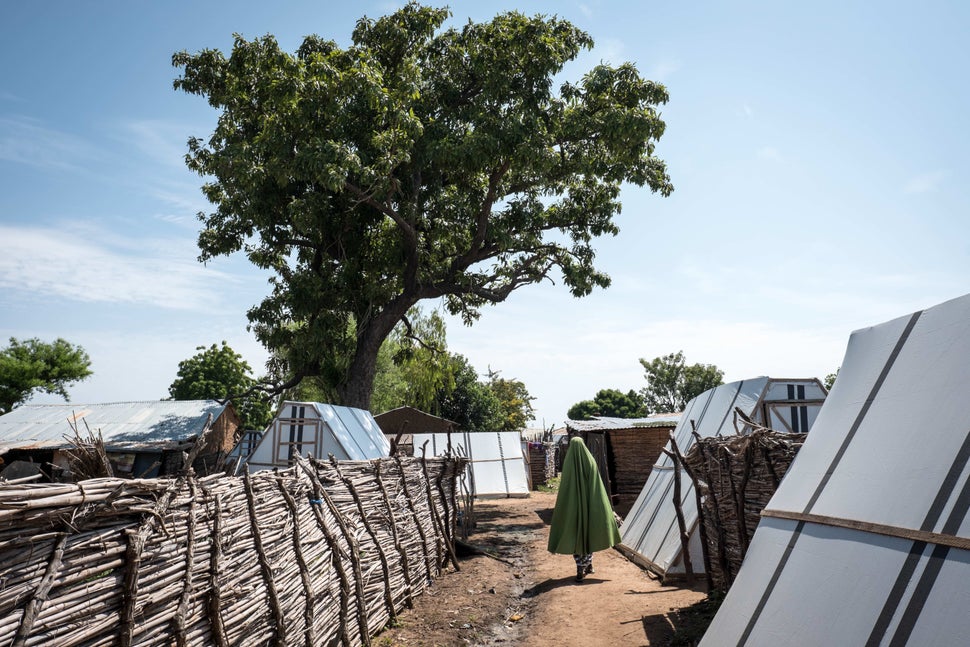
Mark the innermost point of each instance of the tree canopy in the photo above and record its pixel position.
(515, 403)
(32, 365)
(220, 373)
(416, 163)
(609, 403)
(469, 402)
(671, 383)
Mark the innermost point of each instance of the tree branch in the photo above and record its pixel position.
(410, 334)
(407, 229)
(481, 230)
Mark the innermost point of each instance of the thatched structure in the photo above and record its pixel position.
(735, 476)
(319, 554)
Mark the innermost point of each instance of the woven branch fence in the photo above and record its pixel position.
(735, 477)
(320, 554)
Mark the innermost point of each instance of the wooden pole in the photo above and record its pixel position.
(681, 524)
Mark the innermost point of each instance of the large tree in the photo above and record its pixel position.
(610, 403)
(672, 383)
(220, 373)
(33, 365)
(417, 163)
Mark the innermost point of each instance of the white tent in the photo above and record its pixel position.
(650, 534)
(867, 540)
(319, 430)
(497, 467)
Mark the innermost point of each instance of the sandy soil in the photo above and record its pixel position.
(530, 597)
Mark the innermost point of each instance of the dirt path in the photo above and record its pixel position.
(530, 597)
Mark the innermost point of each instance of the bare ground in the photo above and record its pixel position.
(530, 597)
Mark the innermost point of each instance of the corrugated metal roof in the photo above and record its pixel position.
(122, 425)
(605, 424)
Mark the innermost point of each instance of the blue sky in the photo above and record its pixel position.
(816, 151)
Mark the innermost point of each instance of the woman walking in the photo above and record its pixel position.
(582, 522)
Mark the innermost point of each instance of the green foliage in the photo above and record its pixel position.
(32, 365)
(609, 403)
(416, 163)
(515, 403)
(551, 485)
(671, 383)
(829, 380)
(219, 373)
(413, 364)
(470, 402)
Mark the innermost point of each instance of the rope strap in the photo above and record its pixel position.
(880, 529)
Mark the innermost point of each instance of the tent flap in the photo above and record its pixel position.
(884, 472)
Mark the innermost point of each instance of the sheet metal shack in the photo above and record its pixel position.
(142, 439)
(625, 450)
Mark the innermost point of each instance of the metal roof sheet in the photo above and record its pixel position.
(605, 424)
(122, 424)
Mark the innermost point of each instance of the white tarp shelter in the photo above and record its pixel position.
(497, 467)
(319, 430)
(650, 534)
(867, 540)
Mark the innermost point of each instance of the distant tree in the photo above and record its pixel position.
(390, 383)
(33, 365)
(515, 403)
(829, 381)
(469, 402)
(414, 364)
(417, 162)
(671, 383)
(219, 373)
(609, 403)
(583, 410)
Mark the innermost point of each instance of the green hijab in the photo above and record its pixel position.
(583, 520)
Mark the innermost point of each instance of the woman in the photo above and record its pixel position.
(582, 522)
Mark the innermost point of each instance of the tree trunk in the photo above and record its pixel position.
(357, 390)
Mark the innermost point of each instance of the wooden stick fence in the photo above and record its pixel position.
(735, 477)
(320, 554)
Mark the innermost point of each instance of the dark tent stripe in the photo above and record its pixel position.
(890, 361)
(918, 547)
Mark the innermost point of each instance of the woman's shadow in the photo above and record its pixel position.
(550, 584)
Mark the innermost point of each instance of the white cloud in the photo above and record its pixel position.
(162, 141)
(925, 182)
(180, 219)
(564, 359)
(117, 379)
(26, 141)
(81, 265)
